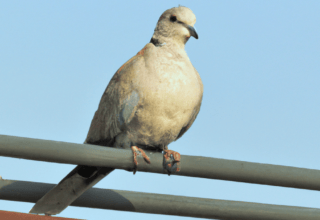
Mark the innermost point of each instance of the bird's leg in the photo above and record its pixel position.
(137, 152)
(171, 161)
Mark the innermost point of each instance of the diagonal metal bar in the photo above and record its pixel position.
(205, 167)
(161, 203)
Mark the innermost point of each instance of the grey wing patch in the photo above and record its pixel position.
(111, 118)
(104, 126)
(117, 107)
(128, 108)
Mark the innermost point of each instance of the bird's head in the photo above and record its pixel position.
(176, 25)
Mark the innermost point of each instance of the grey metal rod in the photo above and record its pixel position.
(161, 203)
(205, 167)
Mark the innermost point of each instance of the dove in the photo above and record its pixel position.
(151, 101)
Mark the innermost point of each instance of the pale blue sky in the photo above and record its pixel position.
(259, 62)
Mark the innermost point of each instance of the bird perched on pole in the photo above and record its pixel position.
(151, 101)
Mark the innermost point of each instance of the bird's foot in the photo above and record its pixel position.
(171, 161)
(138, 152)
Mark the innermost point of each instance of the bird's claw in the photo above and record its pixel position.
(138, 152)
(171, 161)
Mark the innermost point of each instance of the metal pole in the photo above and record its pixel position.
(205, 167)
(161, 203)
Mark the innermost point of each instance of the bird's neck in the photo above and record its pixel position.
(159, 40)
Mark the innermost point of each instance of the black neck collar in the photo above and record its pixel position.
(156, 42)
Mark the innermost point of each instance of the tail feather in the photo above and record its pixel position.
(69, 189)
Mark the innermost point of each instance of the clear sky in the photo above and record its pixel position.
(259, 62)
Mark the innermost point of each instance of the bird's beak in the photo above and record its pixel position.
(192, 31)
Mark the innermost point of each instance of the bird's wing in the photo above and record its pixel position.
(117, 106)
(116, 109)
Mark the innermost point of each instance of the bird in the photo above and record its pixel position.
(151, 101)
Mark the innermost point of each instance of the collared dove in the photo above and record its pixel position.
(151, 101)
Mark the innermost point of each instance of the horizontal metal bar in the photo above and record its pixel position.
(205, 167)
(161, 203)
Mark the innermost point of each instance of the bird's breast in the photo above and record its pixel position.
(173, 87)
(168, 96)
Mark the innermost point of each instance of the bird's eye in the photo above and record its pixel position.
(173, 18)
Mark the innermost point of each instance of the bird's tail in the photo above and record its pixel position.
(69, 189)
